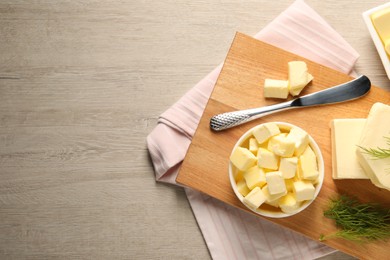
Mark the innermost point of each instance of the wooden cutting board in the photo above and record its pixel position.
(239, 86)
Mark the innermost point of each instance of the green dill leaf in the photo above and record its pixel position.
(359, 222)
(378, 153)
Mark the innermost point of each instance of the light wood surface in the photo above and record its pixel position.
(82, 83)
(205, 167)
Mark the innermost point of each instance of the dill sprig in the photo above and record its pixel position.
(358, 221)
(378, 153)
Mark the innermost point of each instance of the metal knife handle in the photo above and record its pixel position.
(230, 119)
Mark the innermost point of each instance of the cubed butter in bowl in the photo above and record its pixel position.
(276, 169)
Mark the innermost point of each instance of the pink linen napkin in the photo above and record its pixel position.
(229, 232)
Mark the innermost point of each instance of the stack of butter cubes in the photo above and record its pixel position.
(276, 166)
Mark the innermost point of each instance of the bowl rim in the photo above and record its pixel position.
(307, 203)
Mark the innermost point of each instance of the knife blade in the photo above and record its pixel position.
(344, 92)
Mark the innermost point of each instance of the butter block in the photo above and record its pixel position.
(242, 158)
(272, 199)
(254, 177)
(303, 190)
(376, 128)
(381, 22)
(253, 145)
(281, 145)
(263, 132)
(345, 136)
(288, 203)
(298, 77)
(308, 165)
(301, 139)
(254, 198)
(267, 159)
(275, 88)
(242, 187)
(275, 182)
(288, 167)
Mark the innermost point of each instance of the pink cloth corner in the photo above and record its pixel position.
(229, 232)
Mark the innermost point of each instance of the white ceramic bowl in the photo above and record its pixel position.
(375, 37)
(269, 211)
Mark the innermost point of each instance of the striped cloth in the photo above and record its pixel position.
(229, 232)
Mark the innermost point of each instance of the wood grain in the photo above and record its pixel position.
(82, 83)
(247, 64)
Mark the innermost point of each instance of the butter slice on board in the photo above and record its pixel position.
(345, 136)
(377, 127)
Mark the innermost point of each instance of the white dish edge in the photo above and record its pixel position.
(375, 37)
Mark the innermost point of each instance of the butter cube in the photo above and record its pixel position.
(288, 203)
(263, 132)
(304, 190)
(254, 198)
(267, 159)
(298, 77)
(254, 177)
(242, 158)
(373, 136)
(308, 165)
(301, 139)
(253, 145)
(381, 22)
(298, 174)
(275, 88)
(243, 188)
(345, 136)
(288, 167)
(272, 199)
(289, 184)
(238, 175)
(281, 145)
(275, 182)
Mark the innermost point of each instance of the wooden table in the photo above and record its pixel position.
(81, 85)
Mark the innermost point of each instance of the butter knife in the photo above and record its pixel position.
(347, 91)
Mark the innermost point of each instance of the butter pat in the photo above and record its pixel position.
(288, 167)
(288, 203)
(263, 132)
(254, 177)
(275, 183)
(308, 165)
(254, 198)
(272, 199)
(242, 188)
(253, 145)
(301, 139)
(289, 184)
(275, 88)
(303, 190)
(242, 158)
(267, 159)
(298, 77)
(381, 22)
(238, 175)
(377, 127)
(345, 135)
(281, 145)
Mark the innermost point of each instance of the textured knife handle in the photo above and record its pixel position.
(228, 120)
